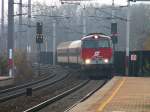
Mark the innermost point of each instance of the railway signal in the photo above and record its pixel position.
(39, 33)
(114, 33)
(39, 38)
(39, 28)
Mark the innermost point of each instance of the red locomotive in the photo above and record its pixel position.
(92, 51)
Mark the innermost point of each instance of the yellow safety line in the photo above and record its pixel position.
(111, 97)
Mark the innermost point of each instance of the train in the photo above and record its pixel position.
(93, 51)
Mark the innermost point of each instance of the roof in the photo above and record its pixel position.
(69, 44)
(75, 44)
(64, 45)
(98, 34)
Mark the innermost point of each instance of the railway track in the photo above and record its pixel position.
(55, 98)
(88, 94)
(46, 70)
(20, 90)
(41, 95)
(26, 85)
(44, 106)
(53, 94)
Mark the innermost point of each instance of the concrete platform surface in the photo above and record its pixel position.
(121, 94)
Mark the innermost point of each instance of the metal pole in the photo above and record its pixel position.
(10, 35)
(127, 39)
(20, 25)
(140, 71)
(46, 45)
(20, 12)
(29, 24)
(54, 41)
(2, 28)
(113, 11)
(39, 71)
(54, 36)
(84, 21)
(29, 9)
(113, 19)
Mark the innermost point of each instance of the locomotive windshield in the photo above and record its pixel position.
(102, 43)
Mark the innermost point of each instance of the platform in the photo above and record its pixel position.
(6, 81)
(121, 94)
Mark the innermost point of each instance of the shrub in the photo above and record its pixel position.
(23, 70)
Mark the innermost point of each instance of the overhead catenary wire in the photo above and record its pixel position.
(116, 17)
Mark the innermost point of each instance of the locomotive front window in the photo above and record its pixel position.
(102, 43)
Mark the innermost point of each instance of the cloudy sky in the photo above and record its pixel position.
(54, 2)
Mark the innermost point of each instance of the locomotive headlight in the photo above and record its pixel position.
(106, 60)
(96, 37)
(87, 61)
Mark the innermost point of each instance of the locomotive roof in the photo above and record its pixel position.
(91, 36)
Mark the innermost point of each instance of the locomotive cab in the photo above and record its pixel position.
(97, 52)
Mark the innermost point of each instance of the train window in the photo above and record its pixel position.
(104, 43)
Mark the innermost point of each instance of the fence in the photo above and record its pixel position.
(139, 63)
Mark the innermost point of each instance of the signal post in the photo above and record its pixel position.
(39, 41)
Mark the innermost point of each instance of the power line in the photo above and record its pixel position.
(116, 17)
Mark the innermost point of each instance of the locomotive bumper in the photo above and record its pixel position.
(98, 66)
(98, 63)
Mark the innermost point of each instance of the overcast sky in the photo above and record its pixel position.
(54, 2)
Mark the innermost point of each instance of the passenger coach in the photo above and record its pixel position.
(92, 51)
